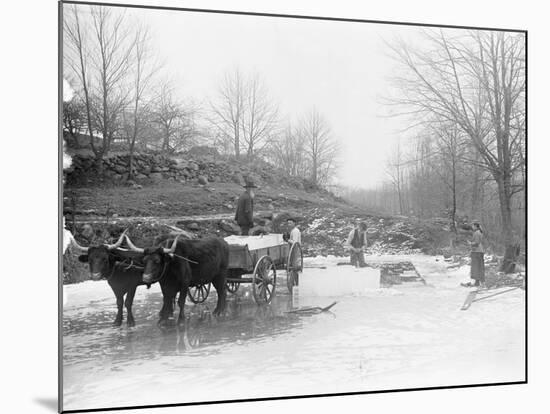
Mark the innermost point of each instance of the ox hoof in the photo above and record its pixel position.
(117, 322)
(131, 323)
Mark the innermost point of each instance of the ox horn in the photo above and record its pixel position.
(132, 246)
(78, 246)
(172, 248)
(118, 242)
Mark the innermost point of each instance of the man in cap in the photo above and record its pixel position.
(477, 265)
(245, 208)
(356, 242)
(477, 262)
(294, 235)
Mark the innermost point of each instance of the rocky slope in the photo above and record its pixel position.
(198, 165)
(198, 193)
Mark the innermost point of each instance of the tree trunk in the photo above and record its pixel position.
(134, 137)
(314, 171)
(99, 164)
(453, 211)
(475, 192)
(510, 248)
(399, 190)
(400, 199)
(237, 143)
(131, 161)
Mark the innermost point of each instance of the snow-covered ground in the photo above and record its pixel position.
(407, 336)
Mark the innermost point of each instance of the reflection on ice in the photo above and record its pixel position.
(404, 337)
(90, 334)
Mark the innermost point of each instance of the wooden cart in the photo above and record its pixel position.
(256, 259)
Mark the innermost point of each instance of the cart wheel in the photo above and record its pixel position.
(199, 293)
(232, 287)
(264, 280)
(294, 265)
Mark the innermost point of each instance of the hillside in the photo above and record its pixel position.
(199, 193)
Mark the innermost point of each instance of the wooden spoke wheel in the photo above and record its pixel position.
(232, 287)
(264, 280)
(198, 293)
(294, 265)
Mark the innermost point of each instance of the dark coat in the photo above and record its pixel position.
(245, 209)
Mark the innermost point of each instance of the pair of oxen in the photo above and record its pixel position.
(183, 264)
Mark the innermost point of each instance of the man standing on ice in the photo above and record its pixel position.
(356, 242)
(477, 261)
(245, 208)
(477, 269)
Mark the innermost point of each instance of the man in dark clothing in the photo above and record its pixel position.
(356, 242)
(477, 268)
(245, 208)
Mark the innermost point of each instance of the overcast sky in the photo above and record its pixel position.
(340, 68)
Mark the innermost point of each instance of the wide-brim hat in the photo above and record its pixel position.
(250, 184)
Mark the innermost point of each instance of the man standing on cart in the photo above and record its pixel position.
(356, 243)
(245, 208)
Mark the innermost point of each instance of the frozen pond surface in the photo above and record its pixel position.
(403, 337)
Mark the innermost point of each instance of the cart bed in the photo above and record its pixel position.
(245, 251)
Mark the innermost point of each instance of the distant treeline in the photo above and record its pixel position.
(463, 155)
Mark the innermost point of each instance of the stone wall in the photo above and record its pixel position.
(204, 169)
(115, 167)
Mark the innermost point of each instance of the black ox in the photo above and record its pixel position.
(123, 270)
(190, 263)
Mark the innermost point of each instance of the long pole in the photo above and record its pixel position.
(494, 294)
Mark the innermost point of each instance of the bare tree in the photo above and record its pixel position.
(77, 57)
(395, 170)
(167, 113)
(144, 67)
(174, 119)
(425, 194)
(321, 148)
(288, 152)
(100, 46)
(228, 111)
(450, 151)
(259, 120)
(478, 83)
(244, 114)
(74, 117)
